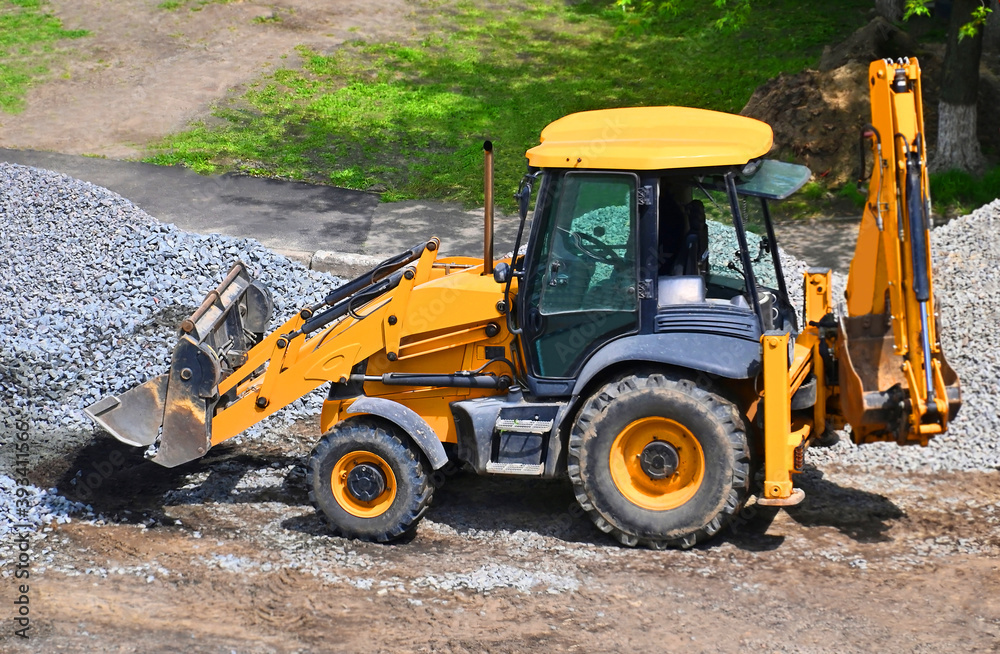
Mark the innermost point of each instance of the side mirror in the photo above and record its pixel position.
(501, 273)
(523, 196)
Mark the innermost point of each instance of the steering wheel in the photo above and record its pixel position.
(597, 250)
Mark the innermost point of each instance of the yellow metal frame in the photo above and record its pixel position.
(883, 324)
(784, 441)
(781, 437)
(434, 321)
(882, 267)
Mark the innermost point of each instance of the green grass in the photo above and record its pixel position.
(955, 192)
(412, 116)
(28, 35)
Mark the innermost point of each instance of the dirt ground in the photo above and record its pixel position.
(226, 555)
(145, 72)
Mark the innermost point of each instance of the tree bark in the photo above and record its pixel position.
(958, 146)
(957, 143)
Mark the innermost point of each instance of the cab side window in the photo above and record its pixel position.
(590, 264)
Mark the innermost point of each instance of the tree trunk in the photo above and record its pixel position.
(891, 10)
(958, 144)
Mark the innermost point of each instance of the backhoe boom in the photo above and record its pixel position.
(890, 353)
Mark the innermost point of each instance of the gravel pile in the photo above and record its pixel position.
(92, 290)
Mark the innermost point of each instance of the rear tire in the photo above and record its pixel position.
(656, 460)
(369, 481)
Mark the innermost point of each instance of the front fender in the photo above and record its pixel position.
(409, 421)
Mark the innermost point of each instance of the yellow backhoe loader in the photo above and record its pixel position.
(666, 380)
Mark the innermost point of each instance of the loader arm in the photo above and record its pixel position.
(304, 354)
(200, 403)
(895, 383)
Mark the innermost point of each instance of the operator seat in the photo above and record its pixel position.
(694, 257)
(684, 252)
(672, 229)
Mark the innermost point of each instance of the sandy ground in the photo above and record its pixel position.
(146, 72)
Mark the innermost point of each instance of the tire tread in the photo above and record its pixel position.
(361, 432)
(723, 412)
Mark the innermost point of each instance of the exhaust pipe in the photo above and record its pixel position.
(488, 210)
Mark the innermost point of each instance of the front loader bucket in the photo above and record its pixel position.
(173, 412)
(138, 423)
(874, 395)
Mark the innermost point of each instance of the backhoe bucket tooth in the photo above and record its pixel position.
(874, 394)
(173, 412)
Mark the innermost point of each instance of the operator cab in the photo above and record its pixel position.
(637, 263)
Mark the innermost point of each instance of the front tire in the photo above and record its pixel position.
(657, 460)
(369, 481)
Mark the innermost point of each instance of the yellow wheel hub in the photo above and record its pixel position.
(657, 463)
(363, 484)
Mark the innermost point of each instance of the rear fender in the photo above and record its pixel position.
(714, 354)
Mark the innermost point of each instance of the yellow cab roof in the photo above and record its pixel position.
(650, 138)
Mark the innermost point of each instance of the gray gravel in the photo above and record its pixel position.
(92, 290)
(45, 506)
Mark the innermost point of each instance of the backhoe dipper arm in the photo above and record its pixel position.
(895, 383)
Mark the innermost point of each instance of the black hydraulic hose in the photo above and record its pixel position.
(450, 381)
(862, 178)
(467, 379)
(379, 272)
(345, 305)
(921, 284)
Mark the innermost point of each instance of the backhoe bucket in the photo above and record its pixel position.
(874, 395)
(173, 412)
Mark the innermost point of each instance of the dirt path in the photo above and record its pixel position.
(146, 72)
